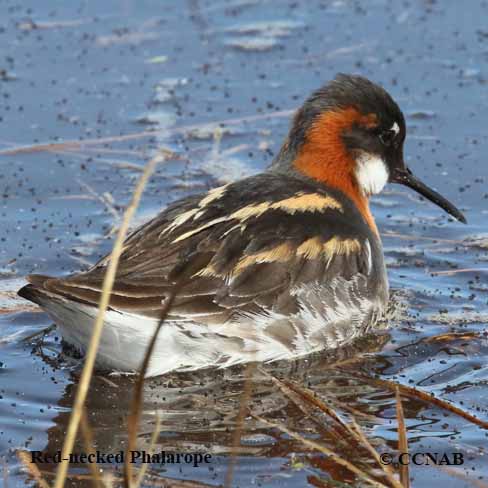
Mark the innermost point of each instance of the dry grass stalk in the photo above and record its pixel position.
(150, 450)
(114, 163)
(110, 479)
(137, 399)
(5, 474)
(389, 472)
(451, 272)
(105, 150)
(310, 397)
(422, 395)
(336, 430)
(324, 450)
(452, 336)
(31, 25)
(97, 328)
(339, 429)
(106, 201)
(353, 411)
(109, 382)
(236, 438)
(358, 358)
(130, 38)
(402, 440)
(25, 459)
(117, 163)
(42, 332)
(416, 237)
(352, 431)
(88, 443)
(75, 145)
(17, 309)
(461, 475)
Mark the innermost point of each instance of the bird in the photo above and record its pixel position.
(273, 266)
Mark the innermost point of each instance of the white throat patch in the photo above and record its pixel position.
(371, 173)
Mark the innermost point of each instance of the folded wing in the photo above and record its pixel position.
(245, 248)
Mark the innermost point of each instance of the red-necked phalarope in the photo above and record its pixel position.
(270, 267)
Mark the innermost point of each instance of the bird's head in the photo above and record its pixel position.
(350, 134)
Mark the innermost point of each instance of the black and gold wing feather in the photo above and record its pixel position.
(240, 249)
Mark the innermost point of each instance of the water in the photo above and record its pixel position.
(164, 71)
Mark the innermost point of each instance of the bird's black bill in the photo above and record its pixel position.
(405, 177)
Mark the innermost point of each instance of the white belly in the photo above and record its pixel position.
(187, 345)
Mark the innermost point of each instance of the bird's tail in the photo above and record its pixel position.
(35, 291)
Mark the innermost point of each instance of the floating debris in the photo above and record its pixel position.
(30, 24)
(207, 132)
(156, 60)
(164, 90)
(403, 17)
(471, 73)
(273, 28)
(258, 439)
(480, 241)
(10, 302)
(161, 119)
(124, 37)
(457, 318)
(7, 75)
(385, 202)
(254, 44)
(260, 36)
(421, 114)
(226, 169)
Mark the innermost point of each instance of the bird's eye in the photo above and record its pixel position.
(387, 137)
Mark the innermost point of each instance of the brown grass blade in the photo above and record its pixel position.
(410, 392)
(416, 237)
(349, 431)
(76, 144)
(32, 468)
(304, 400)
(236, 438)
(389, 472)
(353, 411)
(461, 475)
(452, 336)
(450, 272)
(334, 429)
(150, 450)
(90, 357)
(42, 332)
(109, 382)
(88, 443)
(402, 440)
(137, 399)
(156, 480)
(324, 450)
(314, 400)
(5, 474)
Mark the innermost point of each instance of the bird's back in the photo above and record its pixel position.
(272, 259)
